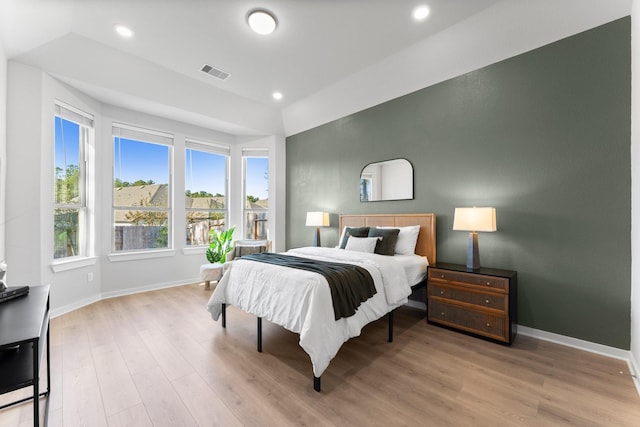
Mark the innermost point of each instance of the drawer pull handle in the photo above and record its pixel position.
(442, 276)
(488, 324)
(488, 283)
(441, 292)
(442, 314)
(486, 301)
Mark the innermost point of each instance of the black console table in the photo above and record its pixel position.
(24, 327)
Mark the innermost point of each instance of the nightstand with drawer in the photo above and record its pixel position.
(481, 302)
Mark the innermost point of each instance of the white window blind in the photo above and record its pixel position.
(74, 115)
(255, 152)
(208, 146)
(140, 134)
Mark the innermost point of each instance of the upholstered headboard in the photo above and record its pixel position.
(426, 245)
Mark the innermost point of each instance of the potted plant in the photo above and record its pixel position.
(220, 245)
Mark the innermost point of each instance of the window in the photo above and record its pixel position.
(256, 192)
(73, 130)
(206, 189)
(141, 189)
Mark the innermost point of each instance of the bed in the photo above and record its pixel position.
(301, 301)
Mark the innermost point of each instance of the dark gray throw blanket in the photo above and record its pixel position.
(350, 285)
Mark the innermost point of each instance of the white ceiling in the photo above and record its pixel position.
(317, 44)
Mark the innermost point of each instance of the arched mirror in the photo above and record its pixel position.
(387, 180)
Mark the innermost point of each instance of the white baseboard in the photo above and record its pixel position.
(137, 290)
(633, 368)
(113, 294)
(575, 343)
(55, 312)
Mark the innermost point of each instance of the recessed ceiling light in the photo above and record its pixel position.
(262, 21)
(124, 31)
(420, 13)
(277, 96)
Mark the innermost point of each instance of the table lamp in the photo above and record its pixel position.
(474, 220)
(317, 219)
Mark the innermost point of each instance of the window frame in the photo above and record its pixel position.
(86, 232)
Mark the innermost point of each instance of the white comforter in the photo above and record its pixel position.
(301, 301)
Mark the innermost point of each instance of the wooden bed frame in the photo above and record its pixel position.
(425, 246)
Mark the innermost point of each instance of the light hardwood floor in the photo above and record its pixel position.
(157, 358)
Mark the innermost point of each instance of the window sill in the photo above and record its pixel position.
(194, 250)
(133, 256)
(72, 264)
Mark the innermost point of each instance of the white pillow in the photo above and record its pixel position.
(407, 239)
(361, 244)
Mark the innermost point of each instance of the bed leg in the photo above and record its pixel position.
(390, 326)
(259, 334)
(224, 315)
(316, 383)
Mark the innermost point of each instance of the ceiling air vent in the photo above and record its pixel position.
(215, 72)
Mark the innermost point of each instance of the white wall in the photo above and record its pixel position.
(29, 195)
(22, 214)
(3, 143)
(635, 183)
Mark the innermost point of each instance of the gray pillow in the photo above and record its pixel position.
(387, 238)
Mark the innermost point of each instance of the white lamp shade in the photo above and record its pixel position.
(317, 219)
(474, 219)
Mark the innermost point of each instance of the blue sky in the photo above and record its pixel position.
(257, 177)
(134, 160)
(71, 145)
(203, 171)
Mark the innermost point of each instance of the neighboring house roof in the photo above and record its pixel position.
(204, 202)
(158, 195)
(143, 195)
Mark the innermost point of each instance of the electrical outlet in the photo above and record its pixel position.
(90, 277)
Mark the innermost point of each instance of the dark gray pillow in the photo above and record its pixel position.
(387, 238)
(355, 232)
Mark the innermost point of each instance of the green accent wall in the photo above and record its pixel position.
(544, 137)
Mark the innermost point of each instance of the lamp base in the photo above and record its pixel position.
(473, 255)
(316, 238)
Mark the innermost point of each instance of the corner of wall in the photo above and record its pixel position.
(3, 144)
(635, 186)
